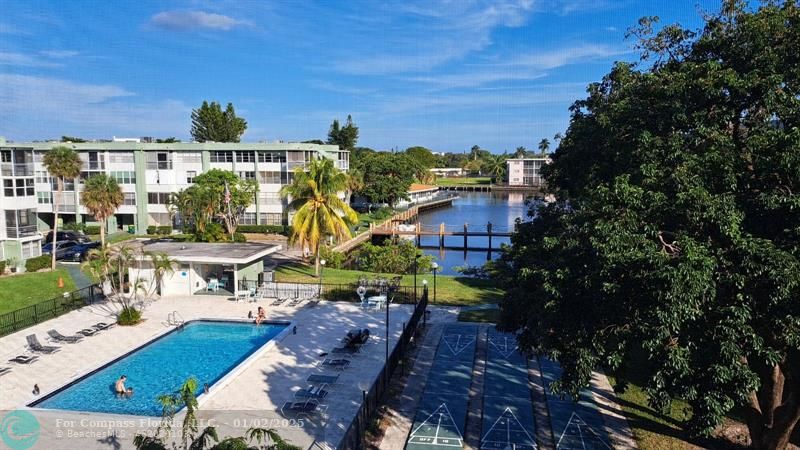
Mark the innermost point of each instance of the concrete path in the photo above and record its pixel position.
(74, 271)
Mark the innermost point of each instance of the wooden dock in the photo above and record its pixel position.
(394, 229)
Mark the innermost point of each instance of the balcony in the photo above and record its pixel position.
(21, 232)
(159, 165)
(16, 170)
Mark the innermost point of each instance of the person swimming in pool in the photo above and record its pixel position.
(262, 315)
(119, 386)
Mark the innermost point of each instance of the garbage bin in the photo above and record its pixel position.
(131, 229)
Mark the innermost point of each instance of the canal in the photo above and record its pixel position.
(476, 209)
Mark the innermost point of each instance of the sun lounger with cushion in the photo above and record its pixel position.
(316, 392)
(24, 359)
(299, 408)
(87, 332)
(35, 346)
(100, 326)
(339, 364)
(56, 336)
(322, 379)
(4, 370)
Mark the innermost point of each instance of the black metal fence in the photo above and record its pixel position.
(372, 399)
(48, 309)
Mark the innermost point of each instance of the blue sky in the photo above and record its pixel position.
(443, 74)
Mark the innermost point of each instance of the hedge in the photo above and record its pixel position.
(92, 229)
(37, 263)
(278, 229)
(164, 229)
(2, 267)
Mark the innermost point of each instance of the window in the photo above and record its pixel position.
(93, 160)
(124, 177)
(190, 175)
(69, 184)
(21, 223)
(42, 176)
(31, 249)
(267, 157)
(248, 219)
(121, 157)
(44, 198)
(249, 175)
(189, 157)
(129, 198)
(269, 177)
(158, 198)
(21, 187)
(159, 161)
(271, 219)
(245, 156)
(269, 198)
(5, 156)
(221, 156)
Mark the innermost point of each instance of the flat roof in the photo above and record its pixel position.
(217, 253)
(417, 187)
(174, 146)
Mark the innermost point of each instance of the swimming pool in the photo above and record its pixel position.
(205, 349)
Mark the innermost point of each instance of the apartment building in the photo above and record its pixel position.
(526, 171)
(148, 173)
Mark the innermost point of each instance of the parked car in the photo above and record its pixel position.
(68, 235)
(70, 250)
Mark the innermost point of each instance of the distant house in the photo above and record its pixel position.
(447, 171)
(419, 193)
(526, 171)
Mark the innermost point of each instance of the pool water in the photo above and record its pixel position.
(206, 350)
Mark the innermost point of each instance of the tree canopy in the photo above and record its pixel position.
(61, 163)
(675, 233)
(387, 176)
(345, 136)
(102, 196)
(211, 123)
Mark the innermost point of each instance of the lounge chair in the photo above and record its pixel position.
(100, 326)
(56, 336)
(87, 332)
(299, 408)
(35, 346)
(315, 392)
(4, 370)
(338, 364)
(322, 379)
(23, 359)
(345, 350)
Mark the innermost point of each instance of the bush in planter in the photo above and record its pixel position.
(162, 229)
(129, 316)
(37, 263)
(92, 229)
(239, 237)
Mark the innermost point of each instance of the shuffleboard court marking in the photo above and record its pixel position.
(507, 433)
(439, 428)
(504, 344)
(458, 342)
(577, 438)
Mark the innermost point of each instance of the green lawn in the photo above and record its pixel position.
(449, 290)
(461, 181)
(29, 288)
(487, 315)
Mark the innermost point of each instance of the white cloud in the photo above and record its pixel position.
(41, 107)
(612, 29)
(24, 60)
(59, 54)
(180, 20)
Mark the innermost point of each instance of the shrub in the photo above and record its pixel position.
(239, 237)
(2, 267)
(397, 257)
(277, 229)
(129, 316)
(37, 263)
(162, 229)
(214, 233)
(333, 259)
(92, 229)
(73, 226)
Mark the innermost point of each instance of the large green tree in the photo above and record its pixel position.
(675, 233)
(345, 136)
(211, 123)
(319, 213)
(102, 196)
(62, 163)
(387, 176)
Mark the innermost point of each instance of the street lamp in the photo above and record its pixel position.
(435, 267)
(321, 263)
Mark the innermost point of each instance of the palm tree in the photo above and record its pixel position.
(163, 265)
(520, 152)
(495, 165)
(544, 145)
(101, 196)
(319, 212)
(61, 163)
(355, 182)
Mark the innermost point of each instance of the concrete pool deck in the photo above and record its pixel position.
(251, 398)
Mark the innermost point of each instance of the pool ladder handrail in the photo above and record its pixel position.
(174, 318)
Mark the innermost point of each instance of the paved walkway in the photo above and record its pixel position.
(78, 277)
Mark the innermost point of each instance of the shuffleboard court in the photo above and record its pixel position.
(442, 411)
(508, 421)
(576, 425)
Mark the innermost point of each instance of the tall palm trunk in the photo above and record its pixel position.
(59, 199)
(316, 260)
(102, 232)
